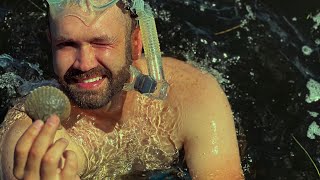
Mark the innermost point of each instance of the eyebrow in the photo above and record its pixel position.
(100, 38)
(62, 39)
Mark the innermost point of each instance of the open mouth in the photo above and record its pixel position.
(92, 79)
(86, 79)
(90, 83)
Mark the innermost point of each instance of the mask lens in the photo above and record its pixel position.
(99, 2)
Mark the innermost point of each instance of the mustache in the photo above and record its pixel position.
(75, 75)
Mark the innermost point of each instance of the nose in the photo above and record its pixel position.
(85, 59)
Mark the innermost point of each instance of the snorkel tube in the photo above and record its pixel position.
(153, 85)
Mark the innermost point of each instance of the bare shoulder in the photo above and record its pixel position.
(198, 89)
(208, 127)
(193, 88)
(199, 92)
(14, 125)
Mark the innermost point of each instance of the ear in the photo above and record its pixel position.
(136, 44)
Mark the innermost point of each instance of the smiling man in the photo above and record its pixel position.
(112, 133)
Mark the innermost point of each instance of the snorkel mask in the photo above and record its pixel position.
(152, 85)
(86, 10)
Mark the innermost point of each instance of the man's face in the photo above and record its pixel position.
(92, 62)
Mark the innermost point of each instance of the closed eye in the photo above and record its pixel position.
(100, 45)
(103, 42)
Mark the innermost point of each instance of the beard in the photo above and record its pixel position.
(94, 99)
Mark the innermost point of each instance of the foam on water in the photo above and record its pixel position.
(314, 91)
(313, 130)
(313, 114)
(10, 81)
(17, 78)
(306, 50)
(316, 19)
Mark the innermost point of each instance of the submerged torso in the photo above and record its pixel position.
(148, 139)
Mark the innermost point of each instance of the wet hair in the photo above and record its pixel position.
(132, 23)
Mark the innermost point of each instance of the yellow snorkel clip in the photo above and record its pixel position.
(153, 85)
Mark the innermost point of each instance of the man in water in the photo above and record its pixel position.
(111, 133)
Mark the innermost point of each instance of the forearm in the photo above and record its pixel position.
(230, 170)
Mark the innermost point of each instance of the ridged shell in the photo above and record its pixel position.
(45, 101)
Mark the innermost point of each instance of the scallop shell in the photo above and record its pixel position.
(45, 101)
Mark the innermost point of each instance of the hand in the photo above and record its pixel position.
(36, 157)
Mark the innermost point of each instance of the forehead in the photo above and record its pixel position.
(112, 20)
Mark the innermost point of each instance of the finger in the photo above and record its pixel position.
(50, 161)
(41, 145)
(71, 165)
(23, 146)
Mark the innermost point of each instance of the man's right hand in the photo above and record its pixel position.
(37, 157)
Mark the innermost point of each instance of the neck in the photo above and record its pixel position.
(104, 118)
(113, 107)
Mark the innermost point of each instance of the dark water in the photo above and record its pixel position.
(254, 48)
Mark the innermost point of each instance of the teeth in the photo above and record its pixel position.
(92, 80)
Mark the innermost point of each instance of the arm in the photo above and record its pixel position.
(210, 139)
(10, 138)
(17, 132)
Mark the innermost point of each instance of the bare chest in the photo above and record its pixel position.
(149, 139)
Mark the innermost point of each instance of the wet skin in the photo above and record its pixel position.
(37, 152)
(206, 129)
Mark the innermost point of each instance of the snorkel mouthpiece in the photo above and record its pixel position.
(146, 85)
(153, 85)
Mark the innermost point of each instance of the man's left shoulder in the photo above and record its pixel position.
(197, 87)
